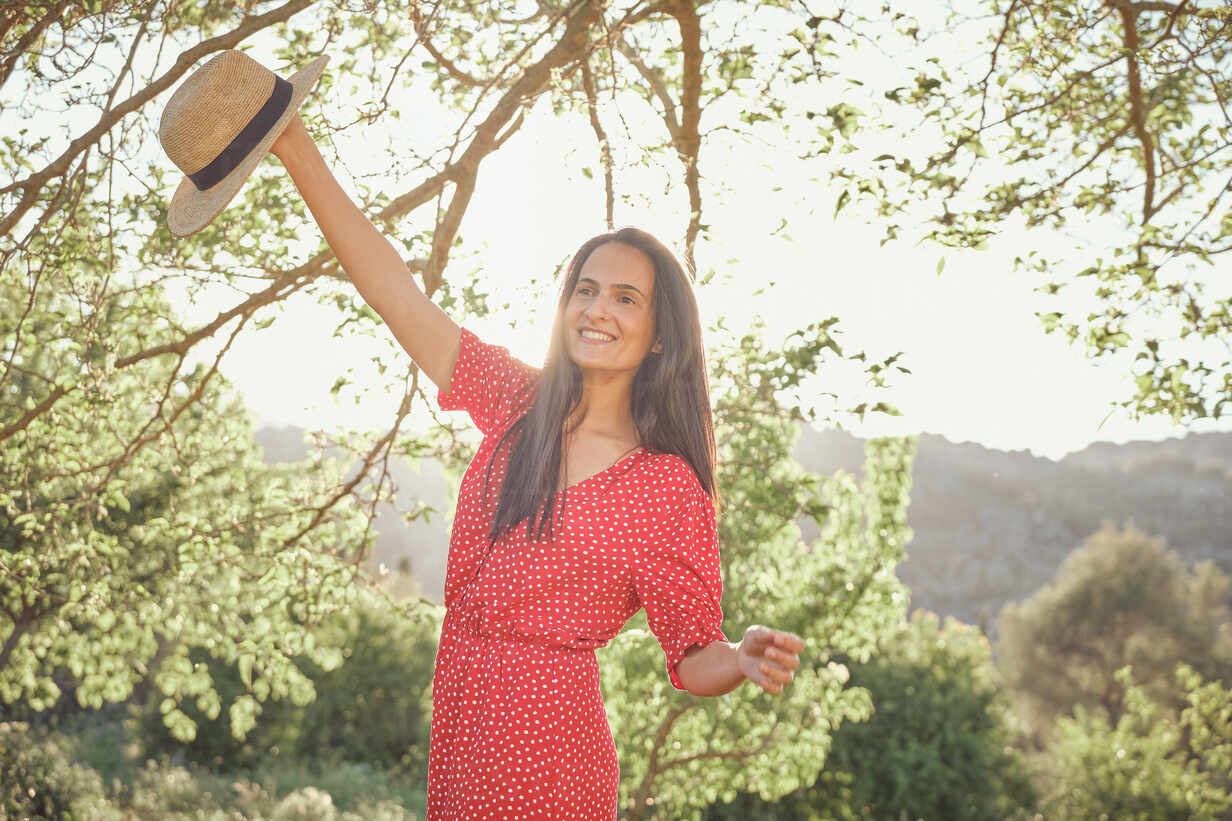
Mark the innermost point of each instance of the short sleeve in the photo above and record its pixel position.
(678, 578)
(488, 383)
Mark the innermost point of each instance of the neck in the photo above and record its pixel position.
(606, 407)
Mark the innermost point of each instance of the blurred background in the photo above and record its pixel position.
(963, 272)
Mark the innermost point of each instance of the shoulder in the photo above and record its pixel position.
(488, 382)
(673, 506)
(670, 479)
(486, 355)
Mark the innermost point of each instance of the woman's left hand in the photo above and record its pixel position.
(769, 657)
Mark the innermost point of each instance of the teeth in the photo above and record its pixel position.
(598, 337)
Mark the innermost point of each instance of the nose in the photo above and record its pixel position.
(597, 308)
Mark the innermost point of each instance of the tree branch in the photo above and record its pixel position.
(444, 62)
(605, 148)
(656, 85)
(642, 793)
(27, 39)
(688, 142)
(572, 46)
(21, 626)
(1129, 19)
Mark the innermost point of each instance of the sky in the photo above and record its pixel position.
(982, 370)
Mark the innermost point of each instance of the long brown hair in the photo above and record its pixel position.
(670, 403)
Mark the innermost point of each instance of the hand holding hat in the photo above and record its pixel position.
(218, 125)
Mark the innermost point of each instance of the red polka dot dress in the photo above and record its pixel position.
(519, 729)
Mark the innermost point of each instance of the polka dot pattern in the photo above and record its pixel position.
(519, 729)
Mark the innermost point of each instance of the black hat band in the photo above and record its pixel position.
(243, 144)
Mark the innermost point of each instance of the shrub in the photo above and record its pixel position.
(38, 780)
(374, 709)
(307, 804)
(1150, 764)
(937, 745)
(1120, 599)
(351, 786)
(162, 790)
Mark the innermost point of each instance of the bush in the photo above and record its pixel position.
(307, 804)
(102, 741)
(939, 743)
(373, 709)
(215, 745)
(937, 746)
(164, 791)
(376, 708)
(312, 804)
(38, 780)
(1120, 599)
(1150, 764)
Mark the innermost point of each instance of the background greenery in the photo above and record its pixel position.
(186, 631)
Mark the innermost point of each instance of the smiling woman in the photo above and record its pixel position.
(591, 497)
(639, 380)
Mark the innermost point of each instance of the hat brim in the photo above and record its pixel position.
(192, 209)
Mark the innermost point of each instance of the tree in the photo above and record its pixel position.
(1106, 119)
(372, 709)
(120, 555)
(679, 752)
(1120, 599)
(86, 261)
(1148, 765)
(939, 742)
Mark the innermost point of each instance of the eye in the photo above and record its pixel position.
(628, 300)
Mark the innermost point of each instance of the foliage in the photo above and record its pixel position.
(1120, 599)
(43, 775)
(144, 539)
(1103, 122)
(936, 747)
(131, 539)
(38, 779)
(375, 708)
(371, 710)
(161, 790)
(138, 520)
(1148, 765)
(351, 793)
(680, 753)
(939, 742)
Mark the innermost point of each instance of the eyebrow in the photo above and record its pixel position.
(619, 285)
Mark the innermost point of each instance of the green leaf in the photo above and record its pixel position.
(243, 716)
(244, 664)
(843, 198)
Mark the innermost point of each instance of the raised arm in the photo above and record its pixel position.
(370, 260)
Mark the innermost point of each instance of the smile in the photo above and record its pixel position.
(595, 336)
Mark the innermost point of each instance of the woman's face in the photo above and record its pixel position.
(609, 317)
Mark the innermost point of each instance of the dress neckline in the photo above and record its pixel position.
(624, 457)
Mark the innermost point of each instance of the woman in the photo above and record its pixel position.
(591, 496)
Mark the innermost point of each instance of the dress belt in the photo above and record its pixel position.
(501, 624)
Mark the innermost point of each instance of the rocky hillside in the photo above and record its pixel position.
(993, 526)
(990, 526)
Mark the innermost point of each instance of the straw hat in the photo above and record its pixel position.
(218, 125)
